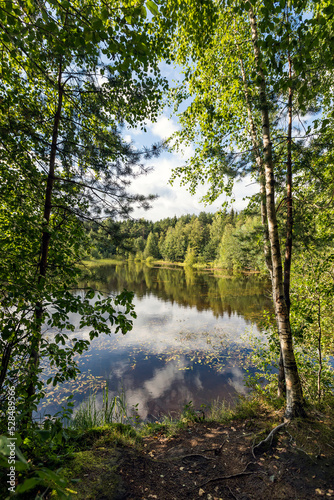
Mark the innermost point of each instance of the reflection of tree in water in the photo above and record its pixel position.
(244, 295)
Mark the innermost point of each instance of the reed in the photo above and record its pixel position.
(112, 410)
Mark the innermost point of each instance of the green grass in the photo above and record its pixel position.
(112, 410)
(101, 262)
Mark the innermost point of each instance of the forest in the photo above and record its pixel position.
(227, 240)
(254, 98)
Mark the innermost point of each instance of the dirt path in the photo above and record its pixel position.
(213, 462)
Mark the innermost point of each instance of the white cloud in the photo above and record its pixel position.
(176, 200)
(136, 131)
(163, 128)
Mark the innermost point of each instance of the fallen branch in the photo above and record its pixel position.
(269, 438)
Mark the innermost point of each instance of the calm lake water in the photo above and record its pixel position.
(188, 343)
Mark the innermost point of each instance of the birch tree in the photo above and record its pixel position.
(248, 77)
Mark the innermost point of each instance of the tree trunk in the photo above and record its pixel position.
(281, 389)
(4, 363)
(259, 163)
(36, 340)
(289, 215)
(266, 242)
(294, 395)
(319, 350)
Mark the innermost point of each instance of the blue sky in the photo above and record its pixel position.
(174, 200)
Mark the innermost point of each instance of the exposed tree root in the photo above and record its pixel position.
(243, 473)
(193, 455)
(269, 438)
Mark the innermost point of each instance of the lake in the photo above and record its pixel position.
(188, 343)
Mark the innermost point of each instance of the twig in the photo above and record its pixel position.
(243, 473)
(233, 495)
(309, 456)
(269, 438)
(218, 450)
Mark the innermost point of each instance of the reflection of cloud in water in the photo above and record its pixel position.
(237, 381)
(161, 386)
(198, 383)
(167, 383)
(119, 368)
(164, 377)
(161, 325)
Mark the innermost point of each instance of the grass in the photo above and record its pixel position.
(92, 447)
(101, 262)
(309, 435)
(149, 261)
(112, 410)
(114, 422)
(115, 411)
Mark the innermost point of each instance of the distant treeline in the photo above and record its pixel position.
(227, 239)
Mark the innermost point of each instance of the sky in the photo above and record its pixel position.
(174, 200)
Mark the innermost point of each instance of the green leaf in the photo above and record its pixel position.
(90, 294)
(20, 456)
(44, 434)
(104, 14)
(27, 485)
(4, 442)
(152, 7)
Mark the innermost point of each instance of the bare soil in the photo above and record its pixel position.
(214, 462)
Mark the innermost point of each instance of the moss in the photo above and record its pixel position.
(96, 471)
(93, 469)
(119, 434)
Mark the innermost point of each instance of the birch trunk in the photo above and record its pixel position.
(289, 215)
(266, 242)
(294, 395)
(259, 163)
(319, 350)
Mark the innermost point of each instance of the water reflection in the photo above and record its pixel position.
(187, 343)
(242, 294)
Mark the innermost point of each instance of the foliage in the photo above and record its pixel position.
(313, 353)
(73, 75)
(178, 238)
(46, 445)
(190, 258)
(151, 247)
(312, 322)
(241, 245)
